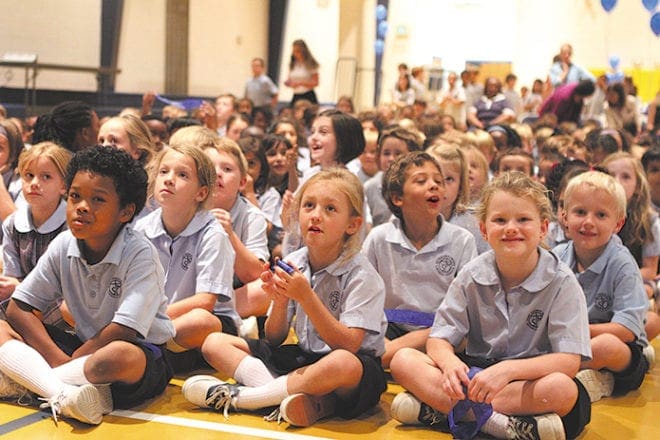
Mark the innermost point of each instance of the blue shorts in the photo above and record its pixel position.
(157, 372)
(286, 358)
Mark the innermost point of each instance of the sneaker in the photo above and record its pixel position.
(82, 403)
(210, 392)
(598, 383)
(409, 410)
(543, 427)
(649, 354)
(304, 409)
(105, 398)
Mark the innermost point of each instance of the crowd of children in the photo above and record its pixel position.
(306, 257)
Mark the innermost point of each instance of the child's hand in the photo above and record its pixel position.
(287, 203)
(291, 159)
(454, 378)
(486, 384)
(224, 218)
(269, 286)
(7, 286)
(294, 286)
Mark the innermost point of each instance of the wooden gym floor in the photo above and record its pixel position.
(635, 416)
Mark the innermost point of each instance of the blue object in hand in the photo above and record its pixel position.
(285, 267)
(482, 411)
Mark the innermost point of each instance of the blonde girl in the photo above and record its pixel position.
(337, 299)
(128, 133)
(477, 172)
(192, 247)
(29, 230)
(457, 190)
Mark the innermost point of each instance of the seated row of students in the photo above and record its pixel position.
(328, 146)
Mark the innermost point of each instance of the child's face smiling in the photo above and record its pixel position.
(322, 142)
(229, 181)
(325, 217)
(591, 218)
(177, 185)
(43, 185)
(423, 193)
(513, 226)
(94, 213)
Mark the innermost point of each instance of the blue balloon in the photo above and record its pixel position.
(382, 29)
(614, 61)
(650, 5)
(381, 12)
(608, 5)
(655, 23)
(379, 46)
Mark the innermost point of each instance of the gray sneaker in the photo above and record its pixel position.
(542, 427)
(10, 390)
(409, 410)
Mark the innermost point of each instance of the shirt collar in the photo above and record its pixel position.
(23, 220)
(539, 279)
(114, 254)
(154, 227)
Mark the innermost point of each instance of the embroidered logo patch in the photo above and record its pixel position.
(334, 300)
(114, 290)
(186, 260)
(534, 318)
(603, 301)
(445, 265)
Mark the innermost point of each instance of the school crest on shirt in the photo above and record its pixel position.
(186, 260)
(603, 301)
(534, 318)
(334, 300)
(114, 289)
(445, 265)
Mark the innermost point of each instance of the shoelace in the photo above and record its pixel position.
(521, 428)
(54, 404)
(220, 398)
(432, 416)
(275, 415)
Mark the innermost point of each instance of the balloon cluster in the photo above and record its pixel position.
(650, 5)
(381, 29)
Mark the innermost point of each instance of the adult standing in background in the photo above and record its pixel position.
(260, 89)
(563, 71)
(303, 73)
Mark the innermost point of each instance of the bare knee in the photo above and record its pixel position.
(118, 361)
(345, 363)
(559, 391)
(404, 362)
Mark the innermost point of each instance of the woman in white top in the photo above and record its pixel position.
(303, 73)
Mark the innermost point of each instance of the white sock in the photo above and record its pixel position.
(252, 372)
(27, 367)
(73, 372)
(496, 425)
(271, 394)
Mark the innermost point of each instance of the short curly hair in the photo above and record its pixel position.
(127, 174)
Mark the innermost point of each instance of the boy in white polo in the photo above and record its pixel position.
(594, 211)
(418, 253)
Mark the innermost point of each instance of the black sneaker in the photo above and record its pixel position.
(542, 427)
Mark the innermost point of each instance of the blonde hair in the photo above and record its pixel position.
(348, 184)
(518, 185)
(196, 136)
(453, 153)
(479, 158)
(483, 141)
(595, 180)
(226, 145)
(59, 156)
(206, 175)
(139, 136)
(638, 228)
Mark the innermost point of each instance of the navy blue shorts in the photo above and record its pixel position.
(157, 373)
(284, 359)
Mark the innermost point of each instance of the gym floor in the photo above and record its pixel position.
(635, 416)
